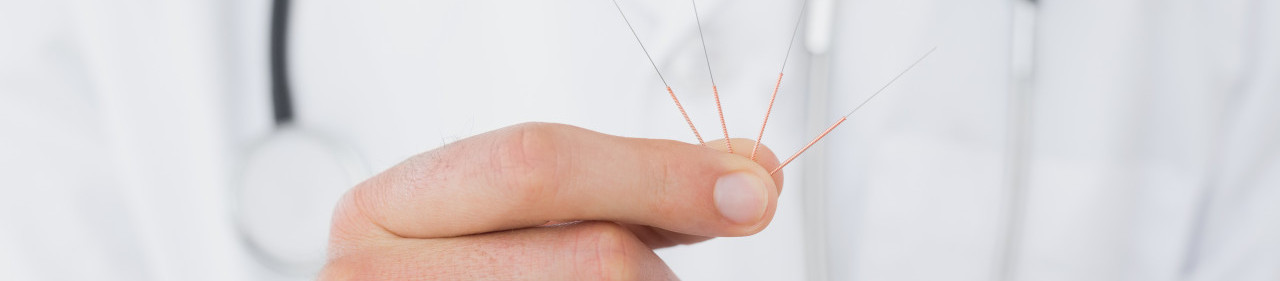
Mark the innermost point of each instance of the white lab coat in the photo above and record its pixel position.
(1139, 141)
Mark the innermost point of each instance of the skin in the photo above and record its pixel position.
(487, 208)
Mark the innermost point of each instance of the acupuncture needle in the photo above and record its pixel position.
(855, 109)
(664, 80)
(774, 97)
(714, 90)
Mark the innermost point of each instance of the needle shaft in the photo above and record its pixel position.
(855, 109)
(715, 91)
(659, 72)
(895, 79)
(774, 97)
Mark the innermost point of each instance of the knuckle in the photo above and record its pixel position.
(527, 159)
(345, 219)
(666, 203)
(604, 251)
(668, 177)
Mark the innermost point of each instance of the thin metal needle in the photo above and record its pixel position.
(810, 144)
(715, 91)
(774, 97)
(655, 70)
(855, 109)
(895, 79)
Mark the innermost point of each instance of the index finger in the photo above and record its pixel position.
(526, 175)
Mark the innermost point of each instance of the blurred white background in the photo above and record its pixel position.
(1049, 140)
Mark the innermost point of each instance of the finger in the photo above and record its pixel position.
(583, 251)
(764, 156)
(657, 238)
(529, 174)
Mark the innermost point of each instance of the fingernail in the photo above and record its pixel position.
(741, 197)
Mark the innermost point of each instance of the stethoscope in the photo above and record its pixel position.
(290, 180)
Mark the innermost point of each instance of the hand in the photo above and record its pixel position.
(480, 208)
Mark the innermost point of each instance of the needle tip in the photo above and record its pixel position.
(891, 81)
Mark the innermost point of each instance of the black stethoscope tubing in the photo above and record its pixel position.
(281, 95)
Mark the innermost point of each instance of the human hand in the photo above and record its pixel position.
(479, 208)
